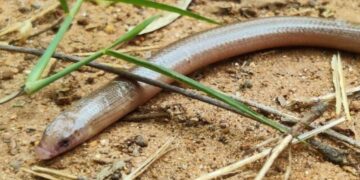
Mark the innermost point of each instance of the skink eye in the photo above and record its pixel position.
(64, 143)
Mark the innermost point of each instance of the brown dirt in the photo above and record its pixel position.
(207, 137)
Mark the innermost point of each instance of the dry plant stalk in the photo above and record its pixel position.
(340, 90)
(274, 154)
(126, 50)
(336, 81)
(42, 175)
(232, 167)
(342, 87)
(53, 172)
(160, 152)
(17, 26)
(306, 102)
(288, 168)
(315, 112)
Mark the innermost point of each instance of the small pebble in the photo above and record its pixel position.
(83, 21)
(16, 164)
(140, 141)
(223, 140)
(116, 176)
(355, 105)
(6, 137)
(281, 101)
(223, 124)
(104, 142)
(136, 151)
(110, 29)
(6, 75)
(248, 12)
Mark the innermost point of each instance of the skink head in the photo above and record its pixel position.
(60, 136)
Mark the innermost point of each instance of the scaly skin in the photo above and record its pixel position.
(102, 108)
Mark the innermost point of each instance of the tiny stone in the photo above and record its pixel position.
(116, 176)
(6, 137)
(83, 21)
(355, 105)
(6, 75)
(36, 5)
(223, 125)
(140, 140)
(104, 142)
(281, 100)
(223, 139)
(136, 151)
(16, 164)
(248, 12)
(110, 29)
(13, 117)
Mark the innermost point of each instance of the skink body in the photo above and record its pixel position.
(102, 108)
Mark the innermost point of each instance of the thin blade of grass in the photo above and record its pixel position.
(64, 6)
(245, 110)
(34, 86)
(45, 58)
(166, 7)
(134, 32)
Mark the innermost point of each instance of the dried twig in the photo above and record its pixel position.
(306, 102)
(42, 175)
(12, 96)
(138, 117)
(52, 25)
(336, 82)
(275, 152)
(182, 91)
(134, 49)
(316, 112)
(264, 143)
(288, 168)
(342, 87)
(160, 152)
(228, 169)
(16, 26)
(54, 172)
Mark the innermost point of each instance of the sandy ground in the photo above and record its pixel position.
(207, 138)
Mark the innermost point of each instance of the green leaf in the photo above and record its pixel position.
(214, 93)
(134, 32)
(64, 6)
(44, 59)
(34, 86)
(166, 7)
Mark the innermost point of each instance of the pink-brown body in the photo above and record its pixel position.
(104, 107)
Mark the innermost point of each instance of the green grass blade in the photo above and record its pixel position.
(134, 32)
(64, 6)
(34, 86)
(166, 7)
(39, 84)
(44, 59)
(214, 93)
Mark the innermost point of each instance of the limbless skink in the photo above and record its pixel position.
(104, 107)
